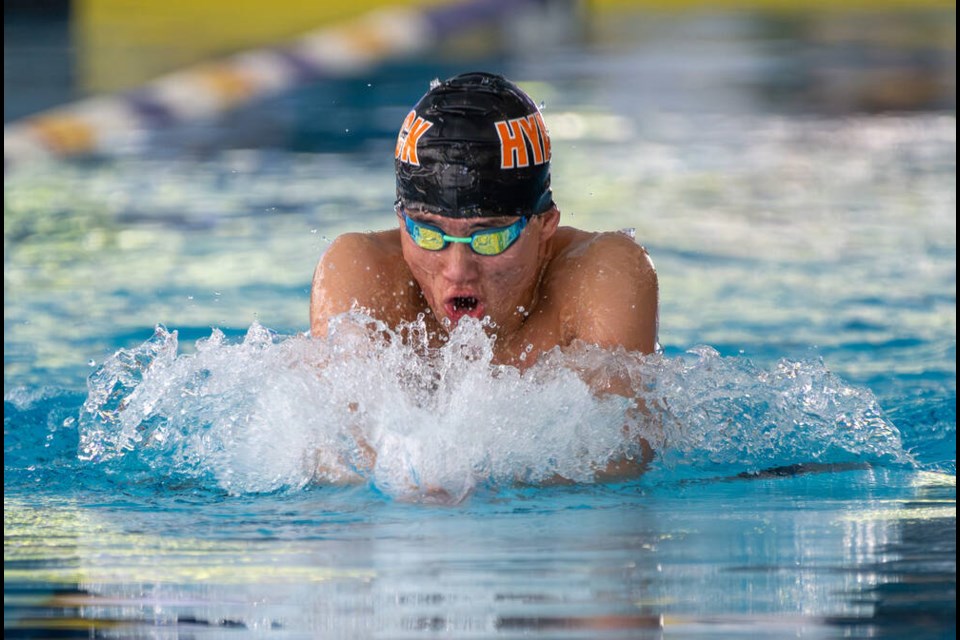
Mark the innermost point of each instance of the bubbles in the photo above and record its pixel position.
(433, 423)
(525, 353)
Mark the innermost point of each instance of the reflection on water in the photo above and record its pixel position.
(675, 562)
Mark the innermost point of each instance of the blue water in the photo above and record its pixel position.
(165, 417)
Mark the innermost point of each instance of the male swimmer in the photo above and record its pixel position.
(478, 236)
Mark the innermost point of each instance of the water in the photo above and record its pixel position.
(164, 415)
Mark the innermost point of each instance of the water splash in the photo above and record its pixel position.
(727, 415)
(375, 405)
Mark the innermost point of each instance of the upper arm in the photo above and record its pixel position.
(618, 297)
(349, 275)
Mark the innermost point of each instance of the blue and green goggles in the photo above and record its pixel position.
(486, 242)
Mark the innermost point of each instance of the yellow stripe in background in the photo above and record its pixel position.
(773, 5)
(122, 44)
(64, 134)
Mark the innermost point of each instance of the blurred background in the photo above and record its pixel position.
(720, 56)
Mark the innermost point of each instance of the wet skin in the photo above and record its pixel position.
(553, 286)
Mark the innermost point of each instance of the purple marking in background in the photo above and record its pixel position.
(151, 111)
(468, 14)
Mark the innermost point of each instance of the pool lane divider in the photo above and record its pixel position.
(112, 124)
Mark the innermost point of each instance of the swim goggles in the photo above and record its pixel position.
(486, 242)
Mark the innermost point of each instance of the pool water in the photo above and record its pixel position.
(165, 414)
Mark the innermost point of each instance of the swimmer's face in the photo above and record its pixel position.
(458, 282)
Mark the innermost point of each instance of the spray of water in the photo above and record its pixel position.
(379, 406)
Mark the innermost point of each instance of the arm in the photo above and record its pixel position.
(355, 272)
(618, 303)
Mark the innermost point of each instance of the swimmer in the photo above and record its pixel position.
(478, 235)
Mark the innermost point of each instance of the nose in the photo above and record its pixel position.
(460, 264)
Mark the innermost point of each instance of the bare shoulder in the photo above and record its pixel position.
(610, 287)
(358, 270)
(355, 259)
(603, 255)
(362, 248)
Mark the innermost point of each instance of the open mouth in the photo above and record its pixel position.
(460, 306)
(464, 303)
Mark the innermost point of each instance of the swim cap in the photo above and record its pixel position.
(474, 145)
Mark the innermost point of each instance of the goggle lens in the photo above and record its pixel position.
(490, 243)
(426, 237)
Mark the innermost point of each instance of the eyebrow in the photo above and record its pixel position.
(479, 224)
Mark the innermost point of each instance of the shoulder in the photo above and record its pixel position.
(355, 258)
(357, 270)
(362, 249)
(609, 286)
(593, 256)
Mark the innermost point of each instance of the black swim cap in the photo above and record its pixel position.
(474, 145)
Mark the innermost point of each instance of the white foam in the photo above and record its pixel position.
(373, 405)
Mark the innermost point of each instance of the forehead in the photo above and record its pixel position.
(477, 222)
